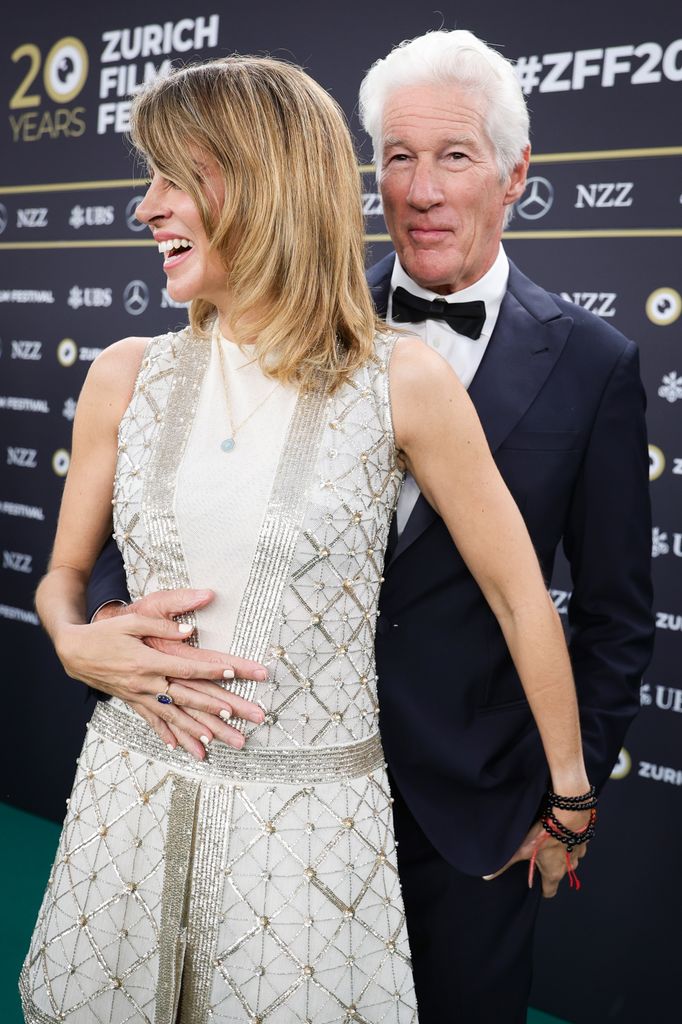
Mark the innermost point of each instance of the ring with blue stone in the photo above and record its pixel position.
(165, 698)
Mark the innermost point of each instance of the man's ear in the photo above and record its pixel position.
(517, 178)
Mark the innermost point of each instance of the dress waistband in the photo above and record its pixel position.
(289, 765)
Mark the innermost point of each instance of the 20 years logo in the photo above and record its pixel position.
(64, 73)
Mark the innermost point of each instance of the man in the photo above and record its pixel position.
(559, 396)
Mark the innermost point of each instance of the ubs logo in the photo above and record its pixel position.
(537, 200)
(135, 297)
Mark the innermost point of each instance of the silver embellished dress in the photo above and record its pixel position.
(260, 885)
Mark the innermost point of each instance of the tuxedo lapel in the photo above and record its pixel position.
(379, 281)
(528, 339)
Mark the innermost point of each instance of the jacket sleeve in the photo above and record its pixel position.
(608, 544)
(108, 579)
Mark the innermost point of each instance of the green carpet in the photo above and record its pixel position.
(26, 853)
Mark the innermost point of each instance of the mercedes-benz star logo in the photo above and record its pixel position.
(135, 297)
(537, 199)
(131, 220)
(3, 218)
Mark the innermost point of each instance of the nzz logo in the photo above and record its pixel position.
(32, 217)
(27, 458)
(602, 194)
(17, 561)
(599, 303)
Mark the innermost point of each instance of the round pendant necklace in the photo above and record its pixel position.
(230, 442)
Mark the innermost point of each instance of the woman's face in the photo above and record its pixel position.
(193, 269)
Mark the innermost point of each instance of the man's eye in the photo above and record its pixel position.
(456, 155)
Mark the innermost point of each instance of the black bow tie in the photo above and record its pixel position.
(464, 317)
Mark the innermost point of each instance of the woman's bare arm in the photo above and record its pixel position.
(112, 654)
(443, 445)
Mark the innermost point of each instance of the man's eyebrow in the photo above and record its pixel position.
(391, 141)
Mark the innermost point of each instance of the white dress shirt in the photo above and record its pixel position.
(464, 354)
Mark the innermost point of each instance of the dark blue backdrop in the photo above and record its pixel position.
(601, 223)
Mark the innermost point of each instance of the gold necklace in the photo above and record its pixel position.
(229, 443)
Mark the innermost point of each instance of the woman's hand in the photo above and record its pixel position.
(140, 651)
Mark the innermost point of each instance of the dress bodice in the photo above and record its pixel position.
(291, 539)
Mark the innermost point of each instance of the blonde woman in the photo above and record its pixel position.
(243, 867)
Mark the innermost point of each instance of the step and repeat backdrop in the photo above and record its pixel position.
(600, 223)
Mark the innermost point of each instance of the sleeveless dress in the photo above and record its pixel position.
(260, 885)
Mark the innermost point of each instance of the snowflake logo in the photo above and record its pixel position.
(659, 543)
(77, 218)
(69, 410)
(671, 388)
(75, 299)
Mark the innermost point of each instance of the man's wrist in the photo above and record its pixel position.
(108, 610)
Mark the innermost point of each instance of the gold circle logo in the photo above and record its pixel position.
(656, 462)
(60, 462)
(67, 352)
(664, 306)
(622, 766)
(65, 69)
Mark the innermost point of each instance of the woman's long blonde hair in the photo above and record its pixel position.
(290, 230)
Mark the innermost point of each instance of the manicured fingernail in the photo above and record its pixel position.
(205, 740)
(488, 878)
(225, 715)
(170, 746)
(185, 627)
(260, 673)
(228, 673)
(258, 717)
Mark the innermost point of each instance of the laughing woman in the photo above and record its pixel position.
(252, 876)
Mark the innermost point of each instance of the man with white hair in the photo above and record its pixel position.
(559, 396)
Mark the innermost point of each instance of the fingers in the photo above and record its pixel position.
(242, 667)
(206, 696)
(221, 731)
(194, 736)
(167, 603)
(158, 725)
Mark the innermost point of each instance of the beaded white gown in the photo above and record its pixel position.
(260, 885)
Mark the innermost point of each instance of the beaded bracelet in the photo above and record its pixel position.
(573, 803)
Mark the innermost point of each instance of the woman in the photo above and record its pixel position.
(258, 451)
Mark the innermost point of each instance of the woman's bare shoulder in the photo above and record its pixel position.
(111, 378)
(416, 369)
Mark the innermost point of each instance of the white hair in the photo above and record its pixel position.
(451, 58)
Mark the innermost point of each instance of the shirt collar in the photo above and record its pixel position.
(489, 289)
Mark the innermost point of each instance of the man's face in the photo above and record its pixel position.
(443, 199)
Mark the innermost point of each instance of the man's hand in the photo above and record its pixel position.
(550, 857)
(136, 651)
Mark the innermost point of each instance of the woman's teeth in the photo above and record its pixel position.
(171, 244)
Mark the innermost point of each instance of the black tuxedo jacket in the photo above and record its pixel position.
(562, 405)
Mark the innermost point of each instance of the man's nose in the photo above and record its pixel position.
(425, 190)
